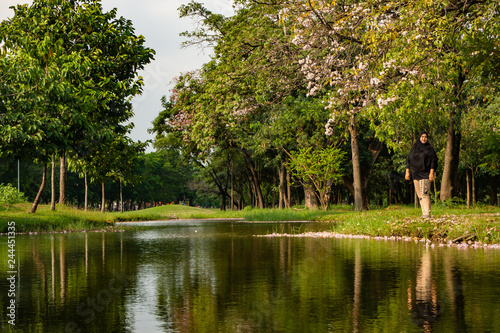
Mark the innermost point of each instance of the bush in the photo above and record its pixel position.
(9, 195)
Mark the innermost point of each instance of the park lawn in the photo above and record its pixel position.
(167, 212)
(481, 224)
(66, 218)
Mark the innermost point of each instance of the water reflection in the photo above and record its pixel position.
(423, 302)
(206, 277)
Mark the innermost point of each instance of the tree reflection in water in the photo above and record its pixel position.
(224, 279)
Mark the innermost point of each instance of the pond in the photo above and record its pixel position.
(218, 276)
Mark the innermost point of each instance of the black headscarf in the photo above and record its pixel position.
(418, 144)
(422, 156)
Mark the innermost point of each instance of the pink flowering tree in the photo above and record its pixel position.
(391, 61)
(446, 56)
(341, 57)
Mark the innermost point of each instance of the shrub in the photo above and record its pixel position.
(9, 195)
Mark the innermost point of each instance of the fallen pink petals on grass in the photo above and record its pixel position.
(426, 242)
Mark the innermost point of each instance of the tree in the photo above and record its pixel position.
(339, 54)
(114, 159)
(446, 46)
(162, 177)
(71, 76)
(231, 100)
(372, 54)
(321, 167)
(480, 143)
(298, 125)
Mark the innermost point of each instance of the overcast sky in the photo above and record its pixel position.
(158, 21)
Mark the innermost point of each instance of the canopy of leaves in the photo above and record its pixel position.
(68, 72)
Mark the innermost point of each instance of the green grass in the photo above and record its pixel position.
(167, 212)
(44, 220)
(480, 224)
(448, 222)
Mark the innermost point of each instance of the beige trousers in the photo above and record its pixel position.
(422, 188)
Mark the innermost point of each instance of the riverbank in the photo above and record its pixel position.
(455, 224)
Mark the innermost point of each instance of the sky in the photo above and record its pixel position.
(158, 21)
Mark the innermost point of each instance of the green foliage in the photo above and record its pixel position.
(323, 167)
(68, 70)
(163, 177)
(9, 195)
(68, 73)
(321, 164)
(451, 203)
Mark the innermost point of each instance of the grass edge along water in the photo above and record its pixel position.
(480, 224)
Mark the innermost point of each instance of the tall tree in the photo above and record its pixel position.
(114, 160)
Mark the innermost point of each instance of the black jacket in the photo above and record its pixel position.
(421, 159)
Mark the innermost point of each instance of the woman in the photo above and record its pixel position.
(422, 161)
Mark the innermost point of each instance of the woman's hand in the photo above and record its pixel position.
(432, 175)
(407, 174)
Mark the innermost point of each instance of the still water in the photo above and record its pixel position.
(205, 276)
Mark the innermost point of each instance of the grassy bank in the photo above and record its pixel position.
(71, 219)
(455, 223)
(45, 220)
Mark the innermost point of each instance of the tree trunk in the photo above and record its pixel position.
(282, 187)
(232, 186)
(375, 147)
(254, 178)
(473, 190)
(467, 181)
(273, 192)
(493, 192)
(121, 197)
(63, 177)
(311, 200)
(86, 191)
(288, 203)
(223, 201)
(103, 201)
(53, 184)
(39, 194)
(356, 166)
(251, 192)
(451, 157)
